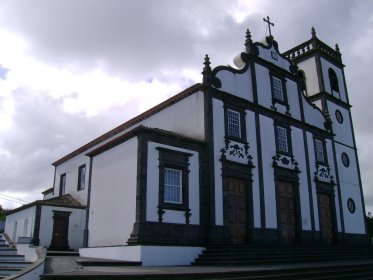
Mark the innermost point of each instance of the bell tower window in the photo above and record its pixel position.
(334, 86)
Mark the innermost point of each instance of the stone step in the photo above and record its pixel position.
(105, 262)
(62, 253)
(9, 270)
(21, 264)
(331, 271)
(12, 257)
(8, 251)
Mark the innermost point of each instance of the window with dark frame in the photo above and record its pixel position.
(319, 151)
(233, 123)
(282, 143)
(173, 179)
(278, 93)
(172, 185)
(62, 184)
(81, 177)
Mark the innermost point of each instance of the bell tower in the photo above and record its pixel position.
(322, 81)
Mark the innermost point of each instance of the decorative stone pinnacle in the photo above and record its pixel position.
(313, 32)
(248, 41)
(207, 64)
(337, 48)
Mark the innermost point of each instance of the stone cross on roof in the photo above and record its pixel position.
(269, 24)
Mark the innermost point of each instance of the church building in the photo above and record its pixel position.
(263, 152)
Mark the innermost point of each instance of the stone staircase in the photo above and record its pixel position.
(228, 255)
(10, 261)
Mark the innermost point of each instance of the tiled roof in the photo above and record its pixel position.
(62, 201)
(47, 191)
(165, 104)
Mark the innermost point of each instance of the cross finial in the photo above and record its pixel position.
(269, 24)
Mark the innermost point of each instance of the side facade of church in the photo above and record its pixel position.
(263, 152)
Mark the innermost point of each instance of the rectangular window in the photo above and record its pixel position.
(172, 186)
(233, 124)
(277, 89)
(282, 139)
(62, 184)
(81, 177)
(319, 150)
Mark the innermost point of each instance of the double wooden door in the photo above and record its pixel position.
(237, 210)
(60, 231)
(287, 212)
(326, 217)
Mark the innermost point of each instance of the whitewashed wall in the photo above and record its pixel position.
(350, 188)
(343, 131)
(71, 168)
(263, 85)
(237, 84)
(152, 189)
(19, 218)
(312, 82)
(266, 54)
(113, 195)
(76, 226)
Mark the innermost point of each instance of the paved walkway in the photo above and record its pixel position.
(68, 266)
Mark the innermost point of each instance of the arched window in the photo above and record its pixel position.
(333, 80)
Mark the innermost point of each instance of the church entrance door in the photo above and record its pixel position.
(60, 231)
(326, 218)
(286, 212)
(237, 210)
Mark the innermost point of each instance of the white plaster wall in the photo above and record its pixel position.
(343, 131)
(309, 68)
(300, 157)
(251, 138)
(219, 132)
(263, 84)
(20, 217)
(148, 255)
(76, 226)
(152, 192)
(71, 168)
(293, 99)
(350, 188)
(325, 65)
(237, 84)
(280, 62)
(48, 196)
(185, 117)
(268, 151)
(113, 195)
(312, 114)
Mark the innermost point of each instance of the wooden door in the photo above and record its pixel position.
(326, 218)
(287, 214)
(60, 231)
(237, 210)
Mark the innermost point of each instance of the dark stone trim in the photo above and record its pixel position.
(338, 189)
(287, 127)
(168, 234)
(267, 112)
(178, 161)
(86, 230)
(241, 111)
(244, 172)
(142, 228)
(36, 237)
(210, 168)
(345, 145)
(80, 168)
(259, 150)
(324, 96)
(54, 179)
(60, 184)
(63, 216)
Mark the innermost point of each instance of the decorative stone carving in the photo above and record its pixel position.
(280, 160)
(237, 152)
(323, 174)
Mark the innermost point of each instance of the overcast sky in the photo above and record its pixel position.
(71, 70)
